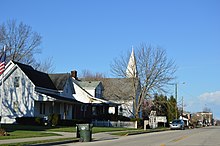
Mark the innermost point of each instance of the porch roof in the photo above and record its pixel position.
(62, 98)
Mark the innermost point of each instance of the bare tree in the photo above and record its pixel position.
(206, 110)
(88, 75)
(45, 66)
(154, 73)
(21, 42)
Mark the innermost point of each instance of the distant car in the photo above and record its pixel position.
(177, 124)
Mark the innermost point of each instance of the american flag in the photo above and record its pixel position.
(2, 62)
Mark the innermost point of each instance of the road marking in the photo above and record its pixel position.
(181, 138)
(176, 140)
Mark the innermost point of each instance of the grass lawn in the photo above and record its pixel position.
(24, 131)
(26, 134)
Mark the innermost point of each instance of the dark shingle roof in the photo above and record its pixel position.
(116, 88)
(59, 80)
(89, 84)
(39, 79)
(48, 81)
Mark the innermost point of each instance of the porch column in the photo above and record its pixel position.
(116, 110)
(53, 107)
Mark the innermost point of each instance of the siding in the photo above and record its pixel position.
(18, 100)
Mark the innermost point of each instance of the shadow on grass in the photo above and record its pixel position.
(15, 127)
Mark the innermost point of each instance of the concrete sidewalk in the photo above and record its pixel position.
(95, 137)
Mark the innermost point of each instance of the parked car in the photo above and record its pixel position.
(177, 124)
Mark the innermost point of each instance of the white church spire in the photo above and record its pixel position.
(131, 71)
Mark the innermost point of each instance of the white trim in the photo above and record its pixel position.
(89, 96)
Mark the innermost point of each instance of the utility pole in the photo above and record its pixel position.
(176, 99)
(182, 107)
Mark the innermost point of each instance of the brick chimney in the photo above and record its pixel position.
(74, 74)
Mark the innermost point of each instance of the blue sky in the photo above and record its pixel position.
(90, 34)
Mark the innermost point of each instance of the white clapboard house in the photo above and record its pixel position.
(26, 92)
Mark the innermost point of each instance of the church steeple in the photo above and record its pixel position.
(131, 71)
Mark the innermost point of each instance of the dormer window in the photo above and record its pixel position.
(98, 92)
(16, 81)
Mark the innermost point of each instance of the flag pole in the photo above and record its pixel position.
(2, 68)
(2, 88)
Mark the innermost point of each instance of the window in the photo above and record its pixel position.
(82, 108)
(104, 109)
(42, 108)
(66, 109)
(98, 93)
(16, 81)
(85, 108)
(94, 110)
(15, 106)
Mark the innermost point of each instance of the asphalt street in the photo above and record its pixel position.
(208, 136)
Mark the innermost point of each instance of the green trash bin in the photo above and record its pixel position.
(85, 132)
(77, 131)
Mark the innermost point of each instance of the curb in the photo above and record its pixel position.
(144, 132)
(55, 143)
